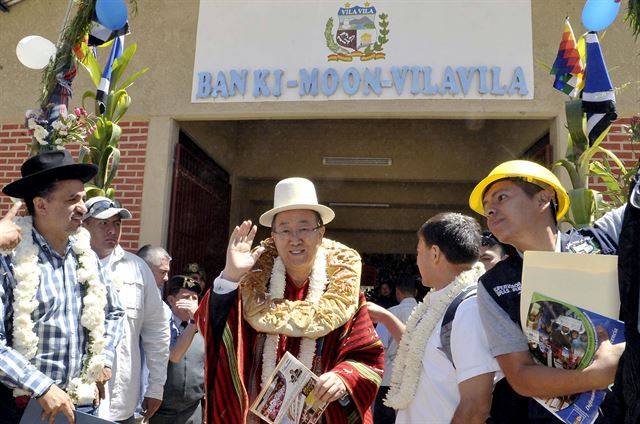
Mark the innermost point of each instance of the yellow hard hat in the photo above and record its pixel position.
(528, 171)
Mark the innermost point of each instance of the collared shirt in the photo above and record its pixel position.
(176, 328)
(146, 326)
(61, 337)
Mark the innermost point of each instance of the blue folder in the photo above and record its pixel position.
(34, 411)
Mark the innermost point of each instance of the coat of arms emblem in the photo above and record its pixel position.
(358, 34)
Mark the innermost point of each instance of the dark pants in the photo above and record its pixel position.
(9, 413)
(382, 414)
(190, 415)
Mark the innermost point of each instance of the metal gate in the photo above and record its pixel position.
(199, 217)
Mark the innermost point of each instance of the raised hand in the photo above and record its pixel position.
(240, 258)
(10, 233)
(188, 305)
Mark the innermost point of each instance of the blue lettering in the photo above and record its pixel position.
(204, 85)
(428, 88)
(330, 82)
(373, 81)
(220, 87)
(399, 77)
(308, 83)
(465, 75)
(260, 87)
(277, 87)
(495, 87)
(482, 80)
(518, 83)
(351, 81)
(449, 82)
(238, 81)
(415, 79)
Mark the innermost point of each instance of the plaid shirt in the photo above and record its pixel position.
(62, 339)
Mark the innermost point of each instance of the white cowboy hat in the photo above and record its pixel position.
(296, 193)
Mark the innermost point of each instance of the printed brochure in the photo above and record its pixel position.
(562, 335)
(289, 395)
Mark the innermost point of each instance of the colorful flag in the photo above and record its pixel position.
(568, 67)
(598, 98)
(105, 81)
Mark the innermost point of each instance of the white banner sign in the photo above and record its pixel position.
(275, 50)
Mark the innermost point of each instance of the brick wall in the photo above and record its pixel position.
(619, 142)
(14, 149)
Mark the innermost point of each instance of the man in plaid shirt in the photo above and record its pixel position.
(52, 187)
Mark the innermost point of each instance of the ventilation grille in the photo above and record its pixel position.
(347, 161)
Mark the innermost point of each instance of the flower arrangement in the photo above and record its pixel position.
(67, 128)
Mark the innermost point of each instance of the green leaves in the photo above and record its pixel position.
(582, 206)
(90, 63)
(102, 145)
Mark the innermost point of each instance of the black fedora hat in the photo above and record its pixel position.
(42, 169)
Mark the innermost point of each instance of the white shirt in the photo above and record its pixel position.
(402, 312)
(146, 324)
(437, 394)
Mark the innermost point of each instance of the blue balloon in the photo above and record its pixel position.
(599, 14)
(112, 14)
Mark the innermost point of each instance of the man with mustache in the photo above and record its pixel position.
(45, 349)
(147, 325)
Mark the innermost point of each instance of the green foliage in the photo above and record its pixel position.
(102, 146)
(64, 59)
(633, 17)
(331, 43)
(382, 38)
(586, 204)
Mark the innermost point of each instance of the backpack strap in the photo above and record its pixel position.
(447, 321)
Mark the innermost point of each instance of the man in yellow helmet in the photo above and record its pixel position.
(523, 202)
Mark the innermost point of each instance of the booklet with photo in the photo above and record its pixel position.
(289, 395)
(562, 335)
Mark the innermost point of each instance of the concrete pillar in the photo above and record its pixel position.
(158, 176)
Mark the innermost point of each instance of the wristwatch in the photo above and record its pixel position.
(193, 321)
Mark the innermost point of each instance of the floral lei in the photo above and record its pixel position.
(268, 313)
(331, 301)
(27, 274)
(420, 325)
(317, 284)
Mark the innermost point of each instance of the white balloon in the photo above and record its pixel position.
(35, 52)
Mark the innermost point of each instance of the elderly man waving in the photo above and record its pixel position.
(299, 292)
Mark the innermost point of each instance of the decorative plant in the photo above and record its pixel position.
(101, 146)
(587, 204)
(52, 127)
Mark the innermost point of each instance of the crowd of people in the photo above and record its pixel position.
(86, 325)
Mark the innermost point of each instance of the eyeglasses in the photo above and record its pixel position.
(103, 205)
(302, 233)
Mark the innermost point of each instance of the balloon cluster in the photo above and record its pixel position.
(36, 52)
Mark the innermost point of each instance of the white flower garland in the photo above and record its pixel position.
(317, 285)
(27, 274)
(420, 326)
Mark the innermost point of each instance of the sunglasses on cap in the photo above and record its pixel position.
(102, 205)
